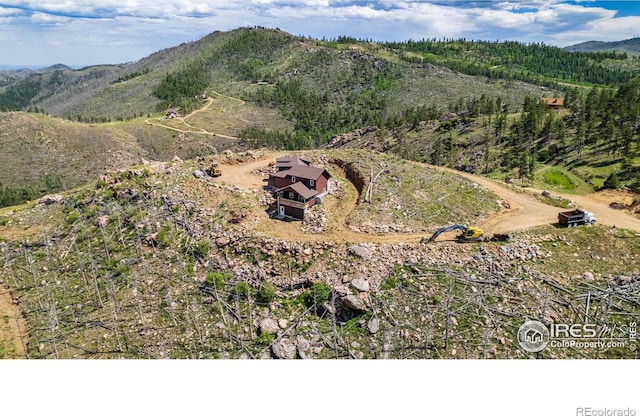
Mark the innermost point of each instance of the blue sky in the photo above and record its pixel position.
(86, 32)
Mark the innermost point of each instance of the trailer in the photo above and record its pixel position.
(576, 217)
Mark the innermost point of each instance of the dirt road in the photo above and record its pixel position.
(240, 174)
(189, 129)
(526, 211)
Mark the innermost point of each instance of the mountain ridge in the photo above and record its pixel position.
(631, 46)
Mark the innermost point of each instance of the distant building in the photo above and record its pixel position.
(172, 112)
(553, 102)
(298, 186)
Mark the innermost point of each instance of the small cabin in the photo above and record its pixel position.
(553, 102)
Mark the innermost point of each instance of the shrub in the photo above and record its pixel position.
(72, 217)
(320, 294)
(266, 293)
(612, 182)
(241, 290)
(162, 237)
(215, 279)
(199, 249)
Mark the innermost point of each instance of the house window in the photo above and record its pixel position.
(291, 196)
(293, 179)
(312, 183)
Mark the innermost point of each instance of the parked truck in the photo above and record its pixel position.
(576, 217)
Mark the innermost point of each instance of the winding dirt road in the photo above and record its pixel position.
(193, 129)
(526, 211)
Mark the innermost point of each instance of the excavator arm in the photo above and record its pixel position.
(454, 227)
(468, 233)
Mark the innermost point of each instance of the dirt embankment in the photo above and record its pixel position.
(352, 173)
(13, 328)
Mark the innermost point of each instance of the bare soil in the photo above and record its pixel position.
(13, 328)
(526, 211)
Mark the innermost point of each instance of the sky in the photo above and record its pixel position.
(87, 32)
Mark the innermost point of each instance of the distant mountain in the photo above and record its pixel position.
(10, 74)
(630, 46)
(56, 67)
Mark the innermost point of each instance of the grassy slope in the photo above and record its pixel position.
(35, 144)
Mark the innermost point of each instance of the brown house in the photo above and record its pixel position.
(287, 162)
(298, 187)
(172, 112)
(553, 102)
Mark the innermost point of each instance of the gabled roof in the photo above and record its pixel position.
(300, 189)
(553, 101)
(290, 161)
(304, 172)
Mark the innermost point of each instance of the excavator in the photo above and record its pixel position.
(469, 234)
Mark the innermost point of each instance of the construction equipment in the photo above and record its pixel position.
(213, 170)
(575, 217)
(468, 233)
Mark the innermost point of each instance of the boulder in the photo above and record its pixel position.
(361, 284)
(353, 302)
(269, 326)
(361, 252)
(51, 199)
(373, 325)
(303, 347)
(284, 349)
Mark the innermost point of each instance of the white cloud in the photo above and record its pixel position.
(604, 30)
(133, 29)
(48, 19)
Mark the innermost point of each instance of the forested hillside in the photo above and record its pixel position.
(469, 104)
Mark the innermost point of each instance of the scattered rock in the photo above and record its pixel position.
(303, 347)
(361, 252)
(361, 284)
(373, 325)
(269, 326)
(284, 349)
(50, 199)
(199, 174)
(588, 276)
(353, 302)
